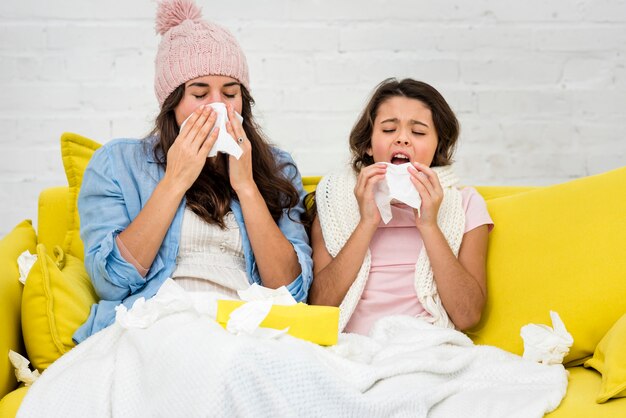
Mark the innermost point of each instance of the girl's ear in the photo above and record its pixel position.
(369, 152)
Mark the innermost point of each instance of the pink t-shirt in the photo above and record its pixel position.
(390, 288)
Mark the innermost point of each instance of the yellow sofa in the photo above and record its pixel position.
(560, 248)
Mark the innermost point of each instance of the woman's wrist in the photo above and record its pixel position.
(247, 192)
(172, 187)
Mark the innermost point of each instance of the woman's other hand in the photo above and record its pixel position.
(240, 170)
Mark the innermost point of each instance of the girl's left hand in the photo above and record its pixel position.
(240, 170)
(427, 184)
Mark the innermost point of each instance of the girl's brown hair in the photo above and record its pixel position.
(210, 196)
(446, 123)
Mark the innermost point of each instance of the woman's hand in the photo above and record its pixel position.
(240, 170)
(364, 192)
(427, 184)
(188, 154)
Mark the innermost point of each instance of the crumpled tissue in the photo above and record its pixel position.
(247, 318)
(170, 298)
(25, 262)
(396, 186)
(544, 344)
(23, 373)
(255, 292)
(224, 143)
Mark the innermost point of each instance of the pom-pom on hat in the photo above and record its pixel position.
(191, 47)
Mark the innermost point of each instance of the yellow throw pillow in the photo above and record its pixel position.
(57, 299)
(610, 360)
(557, 248)
(20, 239)
(76, 152)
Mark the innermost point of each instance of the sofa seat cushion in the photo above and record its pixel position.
(11, 402)
(580, 400)
(557, 248)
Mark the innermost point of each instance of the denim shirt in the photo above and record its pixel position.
(117, 184)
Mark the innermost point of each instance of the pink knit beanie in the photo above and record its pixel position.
(192, 48)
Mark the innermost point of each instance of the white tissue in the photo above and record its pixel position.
(248, 317)
(396, 186)
(23, 373)
(224, 143)
(544, 344)
(255, 292)
(25, 262)
(170, 298)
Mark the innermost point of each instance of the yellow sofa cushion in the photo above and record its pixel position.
(76, 152)
(56, 301)
(11, 403)
(20, 239)
(610, 360)
(579, 401)
(557, 248)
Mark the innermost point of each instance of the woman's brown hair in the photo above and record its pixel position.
(446, 123)
(210, 196)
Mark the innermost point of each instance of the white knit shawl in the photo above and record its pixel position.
(338, 212)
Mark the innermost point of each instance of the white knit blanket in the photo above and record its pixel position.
(185, 365)
(339, 216)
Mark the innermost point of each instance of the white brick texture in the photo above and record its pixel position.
(539, 87)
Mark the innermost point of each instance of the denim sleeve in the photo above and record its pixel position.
(291, 226)
(104, 213)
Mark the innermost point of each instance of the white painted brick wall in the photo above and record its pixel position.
(539, 87)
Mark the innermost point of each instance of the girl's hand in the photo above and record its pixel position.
(427, 184)
(364, 192)
(240, 170)
(188, 154)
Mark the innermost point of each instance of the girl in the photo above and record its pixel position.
(160, 207)
(431, 265)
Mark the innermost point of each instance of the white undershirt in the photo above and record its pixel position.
(210, 258)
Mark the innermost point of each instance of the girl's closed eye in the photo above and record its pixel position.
(200, 96)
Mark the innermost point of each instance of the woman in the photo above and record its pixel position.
(161, 207)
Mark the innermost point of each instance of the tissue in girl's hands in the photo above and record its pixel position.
(224, 143)
(397, 185)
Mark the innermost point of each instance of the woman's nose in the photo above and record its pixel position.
(400, 141)
(214, 97)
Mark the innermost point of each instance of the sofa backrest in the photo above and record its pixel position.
(537, 259)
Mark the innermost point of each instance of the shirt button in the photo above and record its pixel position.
(223, 247)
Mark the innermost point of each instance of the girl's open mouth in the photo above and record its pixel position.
(399, 158)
